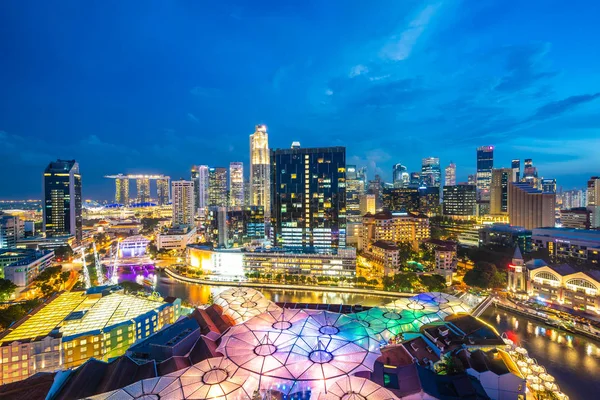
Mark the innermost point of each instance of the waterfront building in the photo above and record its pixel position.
(12, 229)
(236, 184)
(400, 176)
(401, 199)
(176, 238)
(122, 189)
(485, 164)
(235, 226)
(184, 208)
(450, 174)
(22, 266)
(217, 187)
(383, 257)
(529, 207)
(133, 246)
(576, 218)
(308, 189)
(460, 201)
(548, 185)
(62, 199)
(355, 188)
(395, 227)
(72, 327)
(516, 170)
(260, 175)
(163, 194)
(367, 204)
(501, 177)
(561, 243)
(505, 235)
(430, 172)
(143, 189)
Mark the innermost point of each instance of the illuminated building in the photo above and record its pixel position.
(516, 169)
(72, 327)
(429, 200)
(367, 204)
(375, 187)
(485, 164)
(450, 172)
(260, 175)
(430, 172)
(501, 177)
(176, 238)
(400, 176)
(576, 218)
(415, 180)
(530, 174)
(62, 199)
(529, 207)
(11, 230)
(445, 262)
(122, 189)
(355, 188)
(395, 227)
(505, 235)
(401, 199)
(217, 187)
(460, 201)
(593, 191)
(472, 180)
(236, 184)
(309, 198)
(200, 179)
(572, 199)
(162, 191)
(22, 266)
(383, 257)
(143, 189)
(183, 203)
(235, 226)
(548, 185)
(133, 246)
(565, 243)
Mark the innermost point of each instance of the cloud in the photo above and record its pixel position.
(193, 118)
(559, 107)
(205, 92)
(358, 70)
(400, 47)
(403, 92)
(524, 67)
(329, 92)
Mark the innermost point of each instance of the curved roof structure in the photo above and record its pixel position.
(355, 388)
(241, 304)
(388, 322)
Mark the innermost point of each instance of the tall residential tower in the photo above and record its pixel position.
(260, 170)
(236, 184)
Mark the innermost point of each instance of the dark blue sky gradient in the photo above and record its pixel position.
(156, 86)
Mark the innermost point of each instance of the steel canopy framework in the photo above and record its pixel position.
(355, 388)
(241, 304)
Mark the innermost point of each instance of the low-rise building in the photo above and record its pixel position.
(576, 218)
(22, 266)
(176, 238)
(505, 235)
(124, 227)
(393, 226)
(445, 262)
(11, 229)
(583, 245)
(133, 246)
(384, 257)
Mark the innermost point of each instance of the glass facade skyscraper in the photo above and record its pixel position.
(62, 199)
(236, 184)
(259, 169)
(355, 187)
(400, 176)
(485, 164)
(308, 197)
(430, 172)
(217, 187)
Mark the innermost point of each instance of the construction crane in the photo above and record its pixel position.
(114, 274)
(86, 272)
(98, 266)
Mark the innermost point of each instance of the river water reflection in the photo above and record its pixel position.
(572, 359)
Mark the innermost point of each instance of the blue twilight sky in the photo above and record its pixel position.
(156, 86)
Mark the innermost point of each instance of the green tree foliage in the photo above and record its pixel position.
(63, 253)
(485, 275)
(149, 225)
(15, 312)
(433, 283)
(401, 282)
(7, 288)
(50, 280)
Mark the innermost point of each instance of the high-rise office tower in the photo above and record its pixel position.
(260, 170)
(429, 200)
(472, 179)
(400, 176)
(143, 190)
(485, 164)
(355, 188)
(200, 179)
(593, 191)
(401, 199)
(530, 174)
(308, 189)
(361, 173)
(501, 177)
(194, 176)
(430, 172)
(516, 167)
(460, 201)
(367, 204)
(375, 187)
(450, 174)
(217, 187)
(415, 179)
(122, 190)
(184, 208)
(548, 185)
(529, 207)
(162, 191)
(236, 184)
(12, 228)
(62, 199)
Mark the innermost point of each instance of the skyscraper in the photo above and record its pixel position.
(460, 201)
(415, 179)
(430, 172)
(530, 174)
(355, 187)
(260, 170)
(122, 190)
(200, 172)
(400, 176)
(593, 191)
(367, 204)
(549, 185)
(143, 190)
(217, 187)
(485, 164)
(183, 203)
(62, 199)
(501, 177)
(194, 175)
(450, 174)
(236, 184)
(516, 167)
(308, 189)
(529, 207)
(162, 191)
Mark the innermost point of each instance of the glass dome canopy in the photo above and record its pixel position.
(388, 322)
(241, 304)
(355, 388)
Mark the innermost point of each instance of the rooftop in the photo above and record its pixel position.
(505, 228)
(568, 233)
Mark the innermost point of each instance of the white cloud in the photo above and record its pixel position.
(329, 92)
(193, 118)
(358, 70)
(401, 46)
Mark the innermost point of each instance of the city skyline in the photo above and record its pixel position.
(386, 82)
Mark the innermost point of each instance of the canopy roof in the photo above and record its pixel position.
(241, 304)
(355, 388)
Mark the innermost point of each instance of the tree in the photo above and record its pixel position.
(63, 253)
(485, 275)
(7, 288)
(433, 283)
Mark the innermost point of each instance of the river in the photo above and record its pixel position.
(574, 360)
